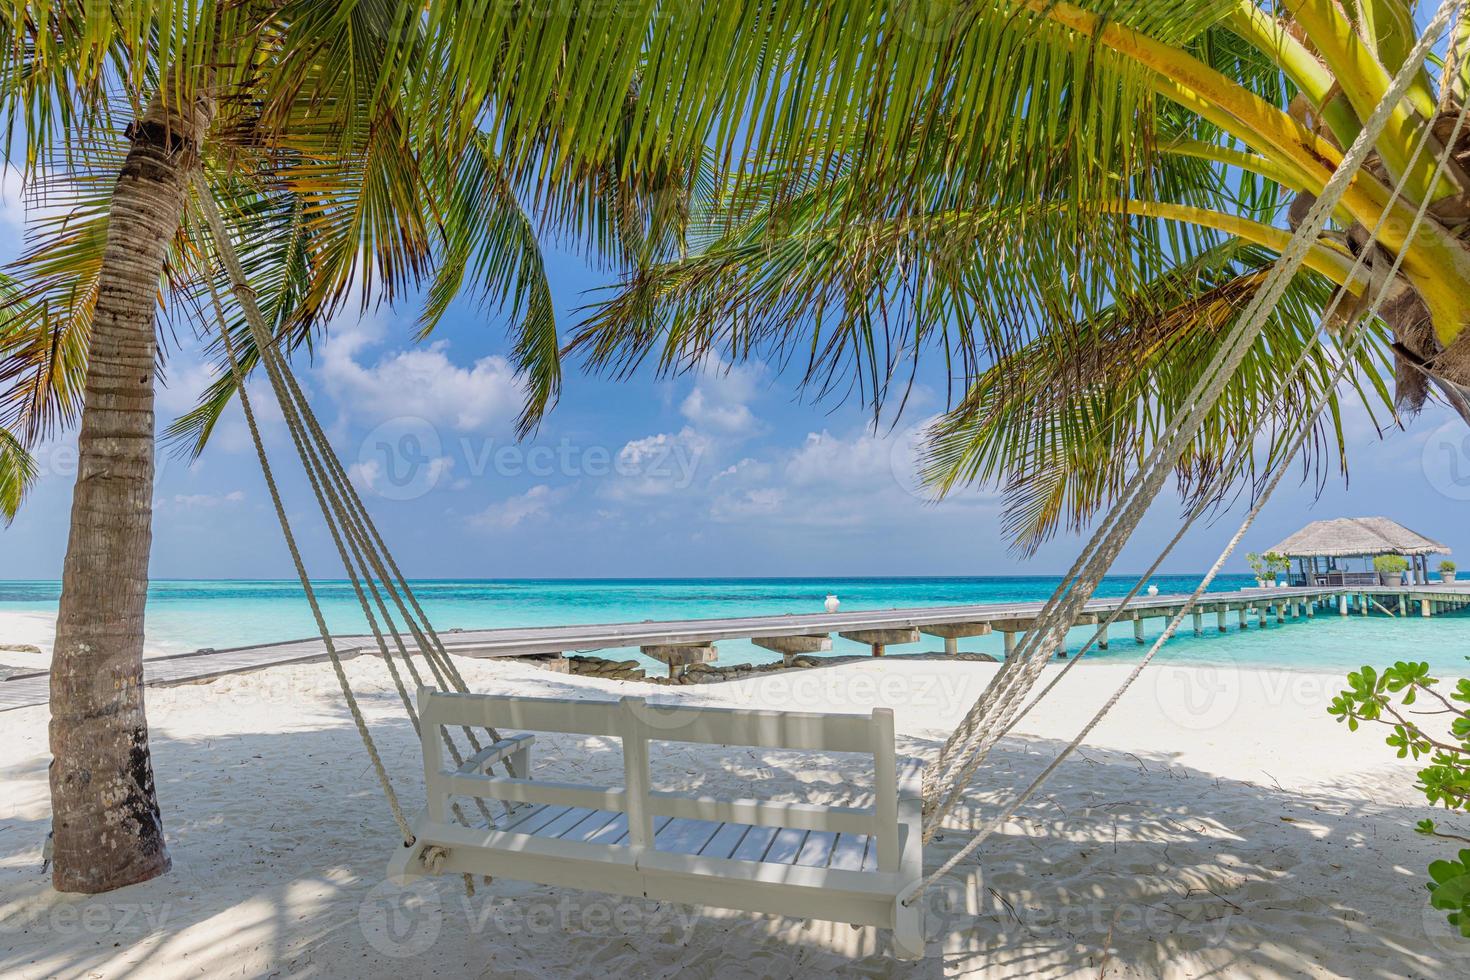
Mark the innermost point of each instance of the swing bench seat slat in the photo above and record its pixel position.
(837, 863)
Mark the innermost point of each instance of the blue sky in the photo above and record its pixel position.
(726, 473)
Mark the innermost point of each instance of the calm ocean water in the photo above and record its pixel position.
(185, 615)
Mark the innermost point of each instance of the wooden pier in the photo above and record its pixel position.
(682, 643)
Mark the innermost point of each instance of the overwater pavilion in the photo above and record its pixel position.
(1325, 551)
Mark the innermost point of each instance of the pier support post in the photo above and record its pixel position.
(1220, 613)
(1102, 638)
(1342, 604)
(1023, 624)
(1424, 608)
(1198, 618)
(792, 646)
(1245, 616)
(680, 656)
(1363, 601)
(879, 639)
(1312, 608)
(1137, 628)
(951, 633)
(1281, 612)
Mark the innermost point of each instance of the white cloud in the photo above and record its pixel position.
(533, 505)
(718, 419)
(825, 459)
(657, 465)
(707, 412)
(718, 404)
(830, 480)
(748, 468)
(423, 382)
(734, 507)
(12, 200)
(185, 379)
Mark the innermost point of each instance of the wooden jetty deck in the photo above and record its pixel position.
(684, 642)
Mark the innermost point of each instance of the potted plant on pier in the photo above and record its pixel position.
(1391, 569)
(1446, 571)
(1278, 564)
(1261, 566)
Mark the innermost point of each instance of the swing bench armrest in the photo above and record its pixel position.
(516, 748)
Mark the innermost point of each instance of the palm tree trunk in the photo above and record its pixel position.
(105, 819)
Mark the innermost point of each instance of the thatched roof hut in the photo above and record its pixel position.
(1344, 537)
(1321, 546)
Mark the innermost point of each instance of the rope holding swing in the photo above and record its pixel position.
(352, 531)
(217, 231)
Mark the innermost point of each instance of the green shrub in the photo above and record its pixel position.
(1391, 563)
(1445, 780)
(1446, 566)
(1266, 566)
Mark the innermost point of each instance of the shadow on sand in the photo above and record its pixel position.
(280, 840)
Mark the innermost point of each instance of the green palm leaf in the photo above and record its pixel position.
(1062, 424)
(17, 472)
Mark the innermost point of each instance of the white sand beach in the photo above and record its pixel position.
(1218, 824)
(26, 638)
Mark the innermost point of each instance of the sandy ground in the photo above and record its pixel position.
(1219, 824)
(34, 629)
(24, 629)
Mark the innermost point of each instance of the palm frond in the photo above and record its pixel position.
(489, 238)
(46, 315)
(1061, 424)
(17, 473)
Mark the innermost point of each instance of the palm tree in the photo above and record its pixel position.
(1068, 204)
(298, 119)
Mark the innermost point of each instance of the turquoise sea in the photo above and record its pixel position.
(186, 615)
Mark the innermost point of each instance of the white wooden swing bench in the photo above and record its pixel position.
(836, 863)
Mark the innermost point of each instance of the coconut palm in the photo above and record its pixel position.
(1081, 197)
(298, 118)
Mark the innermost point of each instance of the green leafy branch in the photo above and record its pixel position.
(1384, 698)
